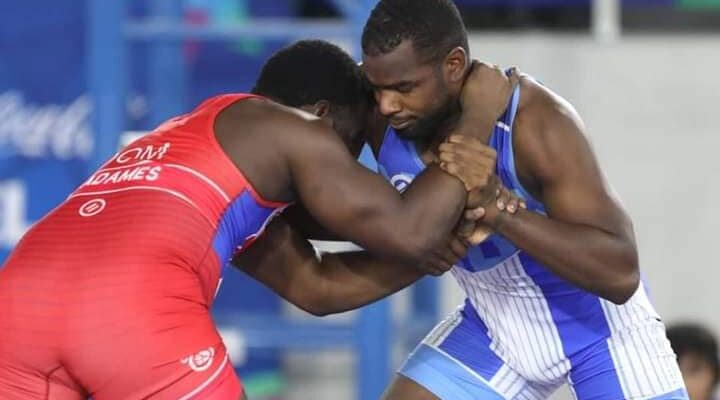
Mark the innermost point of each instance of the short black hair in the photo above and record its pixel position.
(690, 338)
(434, 26)
(308, 71)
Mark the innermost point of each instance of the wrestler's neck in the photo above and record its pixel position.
(428, 147)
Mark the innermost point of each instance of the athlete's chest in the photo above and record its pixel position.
(399, 161)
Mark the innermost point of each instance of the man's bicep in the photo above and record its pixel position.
(301, 220)
(341, 194)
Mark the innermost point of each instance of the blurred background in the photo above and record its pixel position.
(77, 77)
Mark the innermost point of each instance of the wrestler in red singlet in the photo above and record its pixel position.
(109, 295)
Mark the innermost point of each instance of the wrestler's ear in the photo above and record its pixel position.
(321, 108)
(455, 65)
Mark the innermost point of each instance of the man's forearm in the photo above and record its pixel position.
(595, 260)
(286, 263)
(354, 279)
(435, 200)
(334, 283)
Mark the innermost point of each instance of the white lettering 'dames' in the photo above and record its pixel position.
(130, 174)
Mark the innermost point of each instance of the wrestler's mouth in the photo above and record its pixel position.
(401, 124)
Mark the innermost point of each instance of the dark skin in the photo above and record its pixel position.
(423, 101)
(289, 156)
(285, 261)
(586, 238)
(421, 85)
